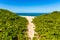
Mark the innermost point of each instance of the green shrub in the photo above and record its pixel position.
(12, 26)
(48, 26)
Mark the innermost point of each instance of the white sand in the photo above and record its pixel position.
(30, 26)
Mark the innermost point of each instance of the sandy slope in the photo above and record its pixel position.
(30, 26)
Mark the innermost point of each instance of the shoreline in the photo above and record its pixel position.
(28, 16)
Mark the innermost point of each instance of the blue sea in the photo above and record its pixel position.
(30, 14)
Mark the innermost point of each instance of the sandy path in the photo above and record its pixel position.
(30, 27)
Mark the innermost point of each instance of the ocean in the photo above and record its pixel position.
(30, 14)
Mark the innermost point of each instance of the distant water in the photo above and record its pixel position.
(30, 14)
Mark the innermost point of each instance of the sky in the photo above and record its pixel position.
(30, 6)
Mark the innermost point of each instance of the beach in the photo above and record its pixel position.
(30, 26)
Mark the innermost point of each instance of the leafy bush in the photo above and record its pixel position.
(48, 26)
(12, 26)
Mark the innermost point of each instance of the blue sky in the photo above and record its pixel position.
(30, 6)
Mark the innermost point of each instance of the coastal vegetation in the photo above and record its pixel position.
(47, 26)
(12, 26)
